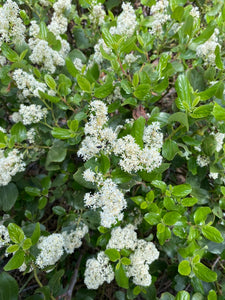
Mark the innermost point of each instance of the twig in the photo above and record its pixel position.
(68, 294)
(215, 262)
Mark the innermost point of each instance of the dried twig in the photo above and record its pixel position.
(68, 294)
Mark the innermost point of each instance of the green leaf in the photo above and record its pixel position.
(169, 149)
(36, 234)
(27, 244)
(201, 214)
(16, 233)
(163, 61)
(18, 132)
(212, 295)
(160, 185)
(152, 218)
(181, 190)
(104, 90)
(204, 273)
(9, 289)
(10, 54)
(113, 254)
(184, 90)
(178, 13)
(182, 295)
(12, 248)
(202, 111)
(218, 60)
(167, 296)
(59, 210)
(142, 91)
(218, 112)
(171, 218)
(32, 191)
(9, 194)
(83, 83)
(184, 268)
(209, 145)
(108, 38)
(125, 261)
(55, 281)
(187, 202)
(15, 262)
(138, 130)
(187, 28)
(120, 276)
(204, 36)
(163, 233)
(104, 164)
(210, 92)
(61, 133)
(70, 67)
(43, 31)
(179, 117)
(49, 80)
(127, 45)
(52, 99)
(212, 234)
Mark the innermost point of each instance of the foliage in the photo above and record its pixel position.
(112, 149)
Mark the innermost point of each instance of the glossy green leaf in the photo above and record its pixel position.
(171, 218)
(169, 149)
(120, 276)
(181, 190)
(184, 268)
(84, 84)
(15, 262)
(201, 214)
(15, 232)
(212, 234)
(138, 130)
(112, 254)
(184, 90)
(204, 273)
(9, 194)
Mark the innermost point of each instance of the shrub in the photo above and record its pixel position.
(112, 149)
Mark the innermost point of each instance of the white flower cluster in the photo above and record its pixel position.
(133, 158)
(97, 15)
(202, 161)
(213, 175)
(126, 21)
(31, 133)
(109, 198)
(42, 53)
(98, 271)
(97, 138)
(10, 165)
(32, 113)
(195, 12)
(2, 60)
(4, 236)
(52, 247)
(97, 57)
(11, 26)
(144, 253)
(59, 23)
(78, 64)
(45, 2)
(28, 84)
(207, 50)
(160, 16)
(130, 58)
(219, 137)
(72, 240)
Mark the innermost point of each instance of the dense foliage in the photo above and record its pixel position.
(112, 156)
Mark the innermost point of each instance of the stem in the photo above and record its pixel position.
(39, 283)
(174, 132)
(68, 294)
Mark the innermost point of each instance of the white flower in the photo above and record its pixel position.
(202, 161)
(31, 135)
(98, 271)
(160, 16)
(72, 240)
(28, 84)
(207, 50)
(78, 64)
(89, 175)
(97, 14)
(11, 26)
(32, 113)
(123, 238)
(219, 137)
(51, 248)
(16, 117)
(4, 236)
(111, 201)
(126, 22)
(213, 175)
(10, 165)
